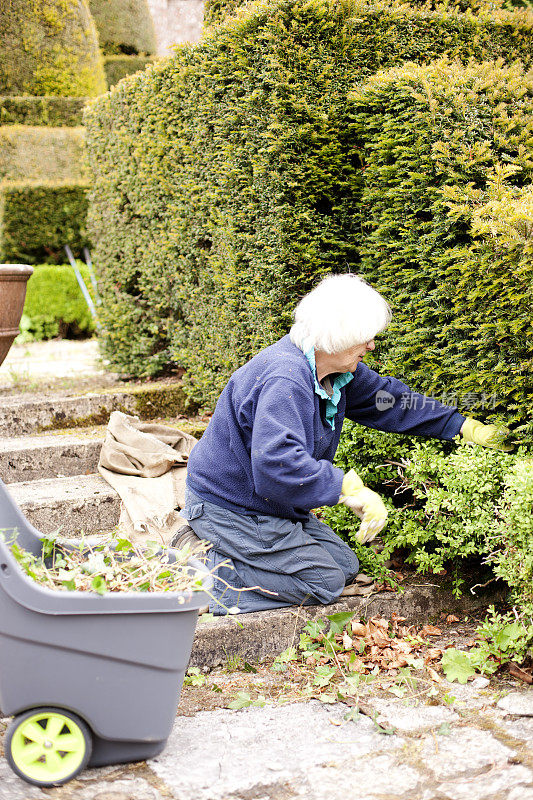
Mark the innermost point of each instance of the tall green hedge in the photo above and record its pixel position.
(463, 322)
(49, 47)
(38, 220)
(41, 153)
(229, 179)
(124, 26)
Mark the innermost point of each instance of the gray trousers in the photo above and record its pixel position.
(264, 562)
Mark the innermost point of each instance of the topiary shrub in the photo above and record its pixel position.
(227, 180)
(53, 111)
(41, 154)
(38, 220)
(118, 67)
(49, 47)
(462, 325)
(124, 26)
(54, 304)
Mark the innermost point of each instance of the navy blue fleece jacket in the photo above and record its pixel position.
(268, 448)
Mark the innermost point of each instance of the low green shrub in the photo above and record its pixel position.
(53, 111)
(512, 556)
(49, 47)
(228, 179)
(450, 505)
(41, 154)
(55, 305)
(38, 220)
(118, 67)
(124, 26)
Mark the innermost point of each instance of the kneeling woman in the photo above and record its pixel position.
(265, 459)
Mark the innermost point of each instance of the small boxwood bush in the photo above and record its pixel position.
(38, 220)
(118, 67)
(49, 47)
(449, 506)
(41, 154)
(54, 111)
(124, 26)
(55, 305)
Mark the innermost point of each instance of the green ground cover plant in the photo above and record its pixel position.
(55, 306)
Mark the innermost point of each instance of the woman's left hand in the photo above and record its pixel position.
(493, 436)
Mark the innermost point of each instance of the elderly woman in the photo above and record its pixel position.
(266, 457)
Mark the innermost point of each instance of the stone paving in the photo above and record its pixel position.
(61, 358)
(473, 750)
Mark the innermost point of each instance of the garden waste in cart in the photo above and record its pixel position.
(91, 680)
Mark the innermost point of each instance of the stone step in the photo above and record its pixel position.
(54, 455)
(23, 414)
(70, 506)
(32, 458)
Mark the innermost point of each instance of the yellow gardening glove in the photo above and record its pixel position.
(367, 504)
(492, 436)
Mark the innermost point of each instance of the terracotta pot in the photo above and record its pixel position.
(13, 280)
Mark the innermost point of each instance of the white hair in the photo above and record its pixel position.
(339, 313)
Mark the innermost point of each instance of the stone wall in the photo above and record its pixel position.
(176, 21)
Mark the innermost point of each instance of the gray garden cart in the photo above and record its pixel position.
(90, 679)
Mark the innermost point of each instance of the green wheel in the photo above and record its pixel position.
(47, 746)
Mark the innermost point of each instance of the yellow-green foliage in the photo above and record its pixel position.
(431, 137)
(227, 180)
(41, 154)
(217, 11)
(49, 47)
(41, 111)
(38, 220)
(118, 67)
(124, 26)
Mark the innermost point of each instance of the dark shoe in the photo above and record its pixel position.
(185, 535)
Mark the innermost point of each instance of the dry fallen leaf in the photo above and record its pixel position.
(434, 675)
(358, 629)
(347, 641)
(430, 630)
(451, 618)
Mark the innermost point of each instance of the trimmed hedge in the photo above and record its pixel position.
(124, 26)
(38, 220)
(53, 111)
(462, 322)
(37, 154)
(216, 11)
(118, 67)
(54, 304)
(227, 180)
(49, 47)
